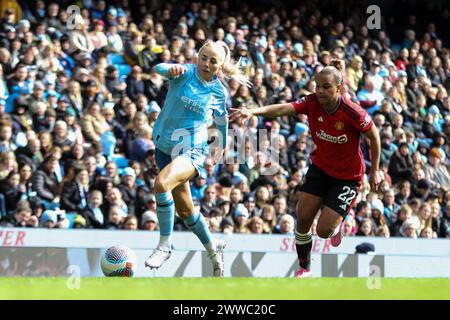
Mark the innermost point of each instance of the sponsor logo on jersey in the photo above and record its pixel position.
(333, 139)
(339, 125)
(192, 105)
(366, 121)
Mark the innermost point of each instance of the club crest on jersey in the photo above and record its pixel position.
(320, 119)
(339, 125)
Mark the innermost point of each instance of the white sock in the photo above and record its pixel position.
(164, 242)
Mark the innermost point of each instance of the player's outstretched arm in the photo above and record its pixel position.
(271, 111)
(170, 70)
(376, 176)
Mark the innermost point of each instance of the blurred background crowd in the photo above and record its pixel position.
(79, 98)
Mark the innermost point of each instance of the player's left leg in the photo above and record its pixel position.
(196, 222)
(338, 202)
(328, 225)
(173, 173)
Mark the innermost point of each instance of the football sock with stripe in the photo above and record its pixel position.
(303, 243)
(197, 224)
(165, 211)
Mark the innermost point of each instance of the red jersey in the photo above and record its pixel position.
(337, 136)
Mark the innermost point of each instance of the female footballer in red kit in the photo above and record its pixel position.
(333, 179)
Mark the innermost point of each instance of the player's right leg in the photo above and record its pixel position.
(173, 174)
(307, 207)
(196, 222)
(311, 197)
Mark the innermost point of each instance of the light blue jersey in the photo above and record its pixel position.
(187, 111)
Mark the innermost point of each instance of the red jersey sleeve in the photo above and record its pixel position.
(364, 122)
(302, 106)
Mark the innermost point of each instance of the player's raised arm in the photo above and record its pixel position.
(271, 111)
(170, 70)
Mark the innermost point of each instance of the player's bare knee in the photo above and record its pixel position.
(184, 214)
(324, 233)
(161, 184)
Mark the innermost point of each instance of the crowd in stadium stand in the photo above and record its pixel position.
(79, 98)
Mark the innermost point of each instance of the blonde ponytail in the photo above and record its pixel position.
(230, 68)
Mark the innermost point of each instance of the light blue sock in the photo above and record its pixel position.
(198, 226)
(165, 211)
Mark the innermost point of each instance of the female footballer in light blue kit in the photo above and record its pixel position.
(180, 136)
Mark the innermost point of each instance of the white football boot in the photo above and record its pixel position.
(217, 258)
(158, 257)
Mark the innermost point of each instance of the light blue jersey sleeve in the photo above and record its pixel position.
(163, 70)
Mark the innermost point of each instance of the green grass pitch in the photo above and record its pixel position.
(223, 289)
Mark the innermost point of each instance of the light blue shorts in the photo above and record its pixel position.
(196, 156)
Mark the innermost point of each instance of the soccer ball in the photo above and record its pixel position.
(119, 261)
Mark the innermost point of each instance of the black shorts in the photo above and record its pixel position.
(337, 194)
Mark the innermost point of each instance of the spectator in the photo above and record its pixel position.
(404, 213)
(135, 84)
(8, 164)
(401, 164)
(94, 125)
(30, 154)
(130, 223)
(114, 199)
(377, 216)
(435, 171)
(198, 187)
(149, 221)
(366, 228)
(45, 183)
(208, 202)
(241, 219)
(348, 226)
(390, 207)
(74, 196)
(93, 214)
(382, 231)
(49, 219)
(115, 218)
(427, 233)
(268, 215)
(256, 225)
(129, 189)
(445, 222)
(286, 225)
(11, 190)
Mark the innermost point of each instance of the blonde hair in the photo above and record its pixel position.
(230, 68)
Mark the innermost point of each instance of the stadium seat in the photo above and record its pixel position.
(70, 216)
(114, 58)
(124, 70)
(121, 162)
